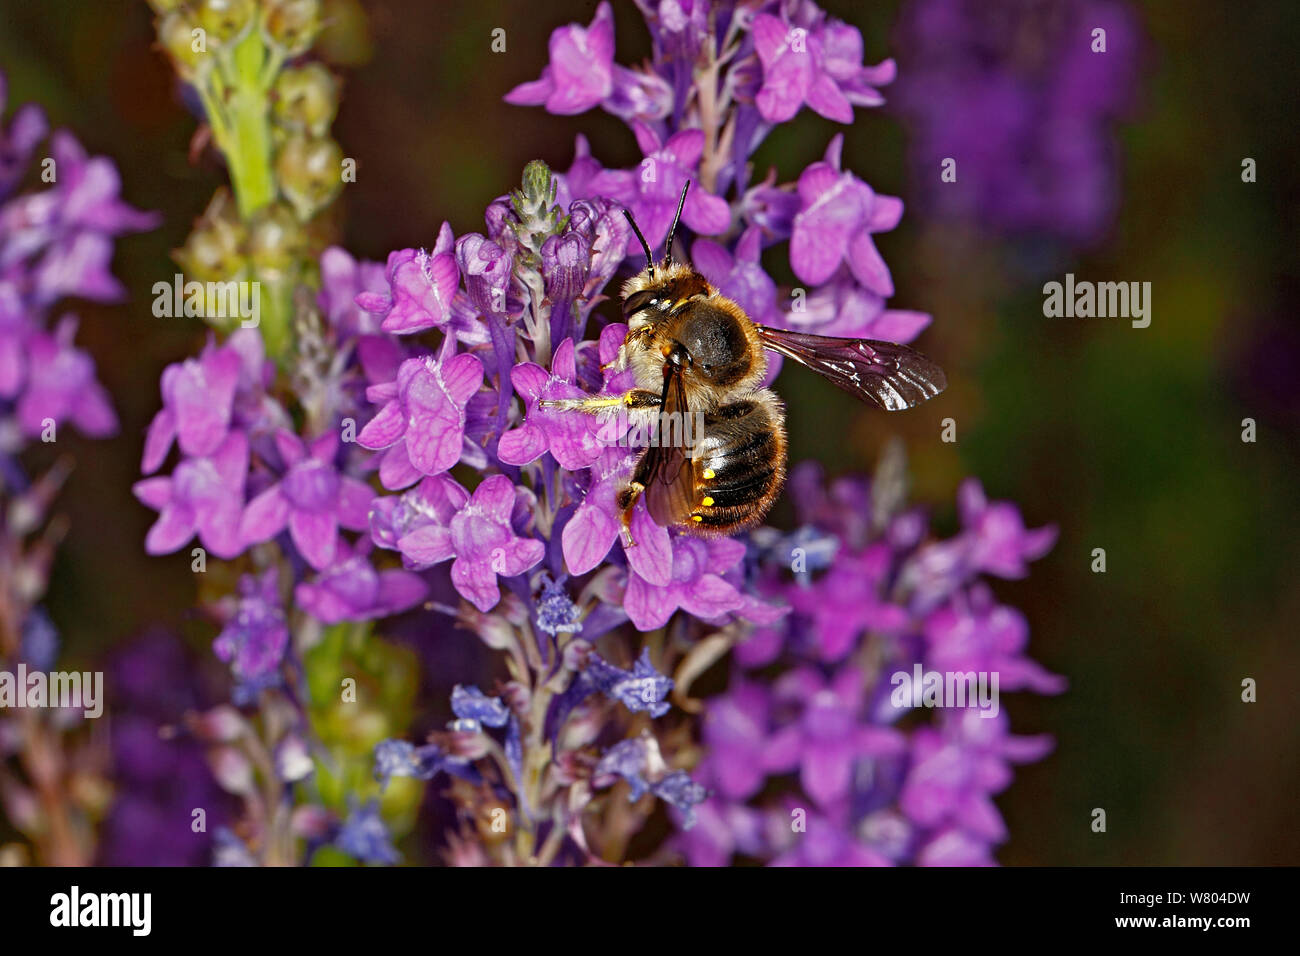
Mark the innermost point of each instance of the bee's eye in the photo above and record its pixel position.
(639, 301)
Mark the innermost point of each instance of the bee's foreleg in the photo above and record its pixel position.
(637, 398)
(592, 406)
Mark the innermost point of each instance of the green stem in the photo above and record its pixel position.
(248, 149)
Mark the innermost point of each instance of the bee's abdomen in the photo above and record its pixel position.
(740, 464)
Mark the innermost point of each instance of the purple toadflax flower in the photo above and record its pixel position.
(421, 424)
(312, 499)
(882, 795)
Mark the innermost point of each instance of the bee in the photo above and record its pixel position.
(696, 356)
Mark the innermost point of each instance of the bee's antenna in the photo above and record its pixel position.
(672, 230)
(649, 256)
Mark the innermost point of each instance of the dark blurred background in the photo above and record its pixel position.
(1126, 439)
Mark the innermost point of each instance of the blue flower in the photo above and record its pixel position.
(635, 759)
(364, 836)
(471, 704)
(556, 613)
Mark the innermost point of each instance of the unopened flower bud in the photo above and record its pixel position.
(309, 172)
(293, 24)
(292, 760)
(306, 98)
(232, 769)
(214, 251)
(176, 36)
(275, 239)
(224, 19)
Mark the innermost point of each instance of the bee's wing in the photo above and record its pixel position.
(883, 373)
(666, 471)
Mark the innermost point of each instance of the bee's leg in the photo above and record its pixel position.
(592, 406)
(627, 499)
(642, 398)
(637, 398)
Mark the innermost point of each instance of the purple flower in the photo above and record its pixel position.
(887, 600)
(693, 582)
(556, 612)
(821, 67)
(737, 728)
(580, 73)
(399, 758)
(256, 633)
(830, 737)
(61, 386)
(486, 267)
(18, 140)
(1029, 126)
(342, 280)
(421, 424)
(825, 843)
(198, 399)
(420, 288)
(204, 495)
(573, 440)
(837, 215)
(983, 636)
(312, 499)
(841, 306)
(351, 589)
(594, 527)
(740, 278)
(485, 544)
(1002, 544)
(654, 188)
(638, 689)
(850, 602)
(418, 522)
(955, 772)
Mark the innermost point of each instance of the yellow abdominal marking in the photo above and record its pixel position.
(709, 473)
(707, 502)
(697, 517)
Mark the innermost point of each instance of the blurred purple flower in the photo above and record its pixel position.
(312, 499)
(256, 632)
(351, 589)
(1014, 94)
(204, 495)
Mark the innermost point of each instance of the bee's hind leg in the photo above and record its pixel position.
(627, 499)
